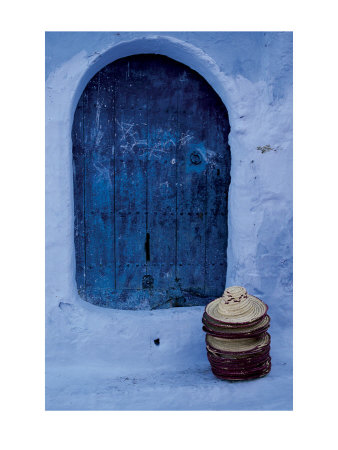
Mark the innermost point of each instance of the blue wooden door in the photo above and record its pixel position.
(151, 177)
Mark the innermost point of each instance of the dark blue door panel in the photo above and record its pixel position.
(161, 172)
(192, 185)
(151, 177)
(98, 186)
(130, 183)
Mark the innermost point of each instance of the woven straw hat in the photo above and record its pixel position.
(235, 346)
(233, 358)
(252, 366)
(236, 332)
(258, 372)
(238, 345)
(236, 306)
(243, 364)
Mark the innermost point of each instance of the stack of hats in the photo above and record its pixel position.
(238, 345)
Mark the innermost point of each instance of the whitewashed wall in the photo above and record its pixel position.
(252, 73)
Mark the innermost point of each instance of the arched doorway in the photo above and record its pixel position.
(151, 176)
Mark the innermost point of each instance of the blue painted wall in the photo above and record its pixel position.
(248, 54)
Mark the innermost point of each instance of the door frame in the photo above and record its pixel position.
(131, 296)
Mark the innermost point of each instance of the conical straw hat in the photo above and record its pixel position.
(247, 345)
(236, 307)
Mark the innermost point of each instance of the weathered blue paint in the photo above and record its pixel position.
(151, 177)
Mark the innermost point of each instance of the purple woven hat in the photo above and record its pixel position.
(243, 374)
(243, 369)
(250, 361)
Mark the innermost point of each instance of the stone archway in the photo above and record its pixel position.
(64, 88)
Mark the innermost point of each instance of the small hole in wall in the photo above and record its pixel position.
(157, 341)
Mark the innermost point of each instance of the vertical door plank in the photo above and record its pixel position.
(192, 186)
(130, 175)
(99, 189)
(161, 173)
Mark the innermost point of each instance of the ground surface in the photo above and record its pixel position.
(80, 387)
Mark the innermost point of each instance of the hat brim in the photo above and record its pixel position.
(242, 375)
(235, 332)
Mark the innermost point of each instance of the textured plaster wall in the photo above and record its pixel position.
(252, 73)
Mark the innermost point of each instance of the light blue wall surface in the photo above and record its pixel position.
(236, 53)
